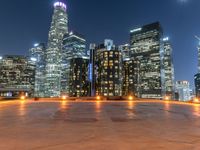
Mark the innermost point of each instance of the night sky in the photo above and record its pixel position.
(25, 22)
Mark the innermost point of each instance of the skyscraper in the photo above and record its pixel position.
(147, 48)
(38, 53)
(17, 76)
(74, 46)
(168, 68)
(197, 84)
(108, 68)
(125, 49)
(78, 77)
(197, 76)
(59, 27)
(131, 68)
(183, 90)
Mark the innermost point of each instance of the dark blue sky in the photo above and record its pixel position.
(25, 22)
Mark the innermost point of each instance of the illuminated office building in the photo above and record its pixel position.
(197, 84)
(78, 77)
(130, 77)
(59, 27)
(108, 70)
(147, 48)
(168, 68)
(17, 76)
(38, 53)
(74, 46)
(125, 49)
(183, 90)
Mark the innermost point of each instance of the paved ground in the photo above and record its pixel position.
(99, 126)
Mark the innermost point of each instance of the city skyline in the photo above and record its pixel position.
(184, 44)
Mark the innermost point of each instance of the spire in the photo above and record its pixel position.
(60, 3)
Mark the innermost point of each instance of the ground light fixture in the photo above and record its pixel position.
(98, 97)
(196, 100)
(130, 98)
(166, 98)
(22, 97)
(64, 97)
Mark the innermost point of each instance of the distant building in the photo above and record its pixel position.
(74, 46)
(17, 76)
(197, 84)
(168, 68)
(59, 27)
(78, 77)
(183, 90)
(125, 49)
(108, 70)
(130, 71)
(38, 53)
(92, 70)
(147, 48)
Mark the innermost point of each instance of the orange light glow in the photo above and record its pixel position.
(196, 100)
(98, 97)
(22, 97)
(167, 98)
(130, 98)
(64, 97)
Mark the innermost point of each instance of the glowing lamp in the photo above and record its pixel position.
(98, 97)
(22, 97)
(60, 4)
(196, 100)
(64, 97)
(130, 98)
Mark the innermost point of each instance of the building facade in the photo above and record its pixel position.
(168, 68)
(130, 71)
(108, 70)
(17, 76)
(146, 46)
(78, 77)
(197, 84)
(59, 27)
(38, 53)
(74, 46)
(125, 49)
(183, 90)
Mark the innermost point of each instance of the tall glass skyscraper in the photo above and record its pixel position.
(168, 68)
(147, 48)
(38, 53)
(74, 46)
(59, 27)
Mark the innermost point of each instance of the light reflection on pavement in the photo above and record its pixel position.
(66, 125)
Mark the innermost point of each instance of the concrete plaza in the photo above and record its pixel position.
(131, 125)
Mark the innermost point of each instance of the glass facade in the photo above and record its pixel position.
(74, 46)
(183, 90)
(38, 53)
(130, 76)
(108, 70)
(17, 76)
(146, 47)
(197, 84)
(125, 49)
(168, 68)
(78, 77)
(59, 27)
